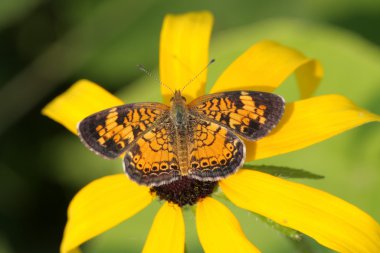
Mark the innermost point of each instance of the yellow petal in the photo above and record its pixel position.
(101, 205)
(167, 233)
(80, 100)
(309, 76)
(331, 221)
(265, 65)
(218, 230)
(184, 52)
(307, 122)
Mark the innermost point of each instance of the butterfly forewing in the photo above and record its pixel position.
(214, 151)
(250, 114)
(110, 132)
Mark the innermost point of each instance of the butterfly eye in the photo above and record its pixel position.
(183, 98)
(171, 99)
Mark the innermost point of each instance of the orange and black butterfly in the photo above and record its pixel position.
(199, 140)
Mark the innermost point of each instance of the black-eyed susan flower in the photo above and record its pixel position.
(110, 200)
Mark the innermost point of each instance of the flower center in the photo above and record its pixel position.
(185, 191)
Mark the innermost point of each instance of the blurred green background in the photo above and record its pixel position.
(45, 46)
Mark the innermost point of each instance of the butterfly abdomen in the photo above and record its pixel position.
(182, 152)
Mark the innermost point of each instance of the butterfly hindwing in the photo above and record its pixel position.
(214, 151)
(152, 159)
(250, 114)
(110, 132)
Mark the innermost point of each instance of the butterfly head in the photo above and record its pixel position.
(177, 98)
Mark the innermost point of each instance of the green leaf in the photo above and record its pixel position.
(283, 172)
(303, 245)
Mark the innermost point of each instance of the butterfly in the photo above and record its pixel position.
(200, 140)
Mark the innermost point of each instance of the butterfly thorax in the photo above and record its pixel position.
(180, 119)
(178, 110)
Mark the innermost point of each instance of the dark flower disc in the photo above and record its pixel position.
(185, 191)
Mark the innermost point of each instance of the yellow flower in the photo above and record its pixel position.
(331, 221)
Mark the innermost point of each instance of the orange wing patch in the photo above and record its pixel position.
(215, 152)
(135, 121)
(152, 159)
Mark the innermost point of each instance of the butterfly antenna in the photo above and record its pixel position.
(143, 69)
(200, 72)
